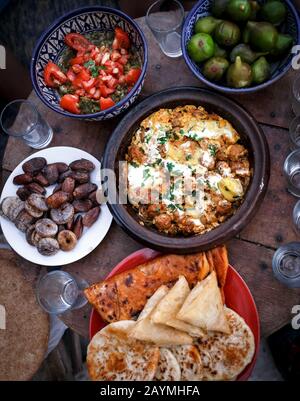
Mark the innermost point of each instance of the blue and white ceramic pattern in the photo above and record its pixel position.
(85, 20)
(201, 9)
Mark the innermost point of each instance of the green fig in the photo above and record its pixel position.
(214, 68)
(238, 10)
(218, 8)
(201, 47)
(261, 71)
(227, 34)
(283, 44)
(263, 35)
(239, 74)
(206, 25)
(219, 51)
(255, 7)
(273, 12)
(245, 52)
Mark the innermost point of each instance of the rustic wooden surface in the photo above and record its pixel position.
(251, 252)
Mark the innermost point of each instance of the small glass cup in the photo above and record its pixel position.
(296, 217)
(286, 264)
(21, 119)
(165, 18)
(291, 169)
(58, 292)
(294, 133)
(296, 96)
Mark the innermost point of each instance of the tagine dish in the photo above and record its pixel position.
(187, 170)
(167, 321)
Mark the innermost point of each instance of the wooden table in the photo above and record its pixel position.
(251, 252)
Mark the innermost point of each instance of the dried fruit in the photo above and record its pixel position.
(82, 164)
(23, 193)
(22, 179)
(78, 227)
(65, 174)
(46, 228)
(81, 177)
(24, 220)
(83, 190)
(41, 179)
(61, 167)
(62, 215)
(33, 211)
(55, 200)
(34, 165)
(11, 207)
(48, 246)
(29, 232)
(67, 240)
(68, 185)
(91, 216)
(57, 188)
(36, 188)
(51, 173)
(38, 201)
(93, 198)
(82, 206)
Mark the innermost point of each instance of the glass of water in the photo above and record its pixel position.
(286, 264)
(296, 96)
(165, 18)
(58, 292)
(21, 119)
(294, 133)
(291, 169)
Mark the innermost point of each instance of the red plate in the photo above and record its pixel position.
(237, 295)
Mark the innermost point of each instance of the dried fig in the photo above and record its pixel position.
(78, 227)
(38, 201)
(62, 215)
(91, 216)
(83, 190)
(41, 179)
(35, 238)
(81, 177)
(69, 225)
(48, 246)
(46, 228)
(68, 185)
(51, 173)
(35, 188)
(92, 197)
(24, 220)
(33, 211)
(29, 232)
(82, 206)
(82, 164)
(22, 179)
(67, 240)
(64, 175)
(34, 165)
(55, 200)
(23, 193)
(11, 207)
(61, 167)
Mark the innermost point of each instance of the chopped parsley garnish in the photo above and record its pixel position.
(170, 166)
(146, 174)
(147, 139)
(213, 149)
(207, 183)
(134, 164)
(181, 132)
(94, 69)
(188, 157)
(162, 140)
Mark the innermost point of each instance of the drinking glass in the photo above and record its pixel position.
(21, 119)
(58, 292)
(294, 133)
(165, 18)
(296, 217)
(291, 169)
(286, 264)
(296, 96)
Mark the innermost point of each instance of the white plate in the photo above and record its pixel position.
(91, 237)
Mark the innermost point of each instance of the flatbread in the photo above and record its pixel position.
(159, 334)
(166, 310)
(111, 355)
(189, 360)
(168, 368)
(225, 356)
(204, 306)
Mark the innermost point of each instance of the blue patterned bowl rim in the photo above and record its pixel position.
(67, 16)
(226, 89)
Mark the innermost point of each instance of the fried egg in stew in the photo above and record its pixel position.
(186, 170)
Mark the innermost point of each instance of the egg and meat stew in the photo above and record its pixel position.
(187, 171)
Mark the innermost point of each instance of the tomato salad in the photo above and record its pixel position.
(95, 72)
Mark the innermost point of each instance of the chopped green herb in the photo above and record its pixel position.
(170, 166)
(146, 174)
(134, 164)
(181, 132)
(188, 157)
(213, 149)
(162, 140)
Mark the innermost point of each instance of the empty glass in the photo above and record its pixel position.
(21, 119)
(294, 133)
(296, 96)
(286, 264)
(58, 292)
(296, 217)
(291, 169)
(165, 18)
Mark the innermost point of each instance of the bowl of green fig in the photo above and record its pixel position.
(240, 46)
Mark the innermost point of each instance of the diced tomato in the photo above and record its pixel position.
(112, 83)
(115, 55)
(83, 75)
(77, 60)
(121, 39)
(53, 75)
(122, 79)
(80, 92)
(71, 75)
(123, 60)
(76, 68)
(98, 58)
(132, 76)
(106, 103)
(70, 103)
(77, 41)
(97, 94)
(105, 91)
(120, 67)
(89, 84)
